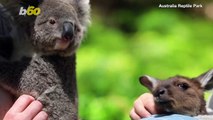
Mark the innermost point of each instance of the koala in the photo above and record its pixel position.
(54, 31)
(42, 61)
(180, 94)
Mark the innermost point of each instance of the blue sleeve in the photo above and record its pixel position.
(170, 117)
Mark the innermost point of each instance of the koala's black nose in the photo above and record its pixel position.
(68, 30)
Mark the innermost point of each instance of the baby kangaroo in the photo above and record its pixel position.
(180, 94)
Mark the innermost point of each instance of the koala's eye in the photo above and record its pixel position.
(77, 28)
(183, 86)
(52, 21)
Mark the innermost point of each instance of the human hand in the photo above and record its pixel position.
(26, 108)
(144, 106)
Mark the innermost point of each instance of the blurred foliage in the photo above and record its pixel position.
(121, 47)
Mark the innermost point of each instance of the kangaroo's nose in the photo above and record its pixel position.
(160, 92)
(68, 30)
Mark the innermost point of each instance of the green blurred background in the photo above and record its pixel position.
(130, 38)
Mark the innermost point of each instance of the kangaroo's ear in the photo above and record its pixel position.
(206, 79)
(148, 82)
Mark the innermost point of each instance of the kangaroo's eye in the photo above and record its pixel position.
(183, 86)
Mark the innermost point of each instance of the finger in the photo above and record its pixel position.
(32, 110)
(140, 109)
(21, 103)
(149, 103)
(41, 116)
(133, 115)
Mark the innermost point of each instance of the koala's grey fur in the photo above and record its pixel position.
(50, 79)
(37, 67)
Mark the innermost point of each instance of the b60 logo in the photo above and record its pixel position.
(31, 10)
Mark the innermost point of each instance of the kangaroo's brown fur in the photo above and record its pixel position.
(180, 94)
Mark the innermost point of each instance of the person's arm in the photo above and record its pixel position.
(144, 106)
(26, 108)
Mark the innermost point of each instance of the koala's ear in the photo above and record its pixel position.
(206, 80)
(85, 1)
(148, 82)
(84, 12)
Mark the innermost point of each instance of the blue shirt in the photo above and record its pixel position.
(170, 117)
